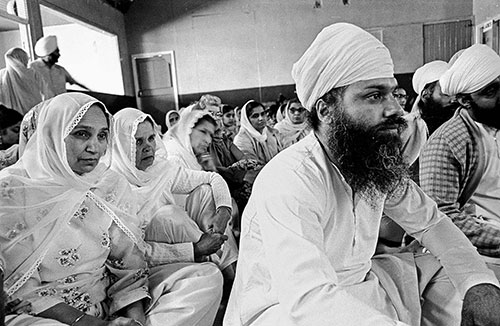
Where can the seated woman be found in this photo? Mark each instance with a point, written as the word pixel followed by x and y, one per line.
pixel 232 165
pixel 171 118
pixel 294 126
pixel 68 238
pixel 255 139
pixel 171 234
pixel 21 88
pixel 229 127
pixel 10 121
pixel 187 145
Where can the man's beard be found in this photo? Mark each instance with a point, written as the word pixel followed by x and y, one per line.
pixel 489 117
pixel 370 160
pixel 435 114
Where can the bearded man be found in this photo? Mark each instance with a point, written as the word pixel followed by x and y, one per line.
pixel 434 106
pixel 310 228
pixel 460 162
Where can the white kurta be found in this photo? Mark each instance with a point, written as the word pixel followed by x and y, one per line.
pixel 306 246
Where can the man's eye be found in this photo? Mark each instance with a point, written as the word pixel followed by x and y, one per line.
pixel 151 138
pixel 375 96
pixel 138 142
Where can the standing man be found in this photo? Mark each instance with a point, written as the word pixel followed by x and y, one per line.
pixel 460 164
pixel 310 228
pixel 54 75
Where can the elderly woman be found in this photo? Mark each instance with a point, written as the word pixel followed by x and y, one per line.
pixel 255 139
pixel 10 121
pixel 69 243
pixel 21 88
pixel 171 234
pixel 294 126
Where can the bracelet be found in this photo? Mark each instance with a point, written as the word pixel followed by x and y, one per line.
pixel 138 322
pixel 77 319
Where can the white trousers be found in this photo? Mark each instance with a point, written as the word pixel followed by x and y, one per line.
pixel 181 294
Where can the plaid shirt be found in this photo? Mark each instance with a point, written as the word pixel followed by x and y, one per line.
pixel 450 168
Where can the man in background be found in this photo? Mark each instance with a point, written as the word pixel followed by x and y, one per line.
pixel 460 164
pixel 54 75
pixel 433 106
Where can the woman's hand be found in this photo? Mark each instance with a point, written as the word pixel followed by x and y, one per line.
pixel 220 220
pixel 122 321
pixel 208 244
pixel 246 164
pixel 135 311
pixel 17 307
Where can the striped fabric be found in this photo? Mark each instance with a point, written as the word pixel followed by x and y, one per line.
pixel 447 165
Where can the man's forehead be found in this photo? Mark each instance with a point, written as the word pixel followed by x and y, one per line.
pixel 378 83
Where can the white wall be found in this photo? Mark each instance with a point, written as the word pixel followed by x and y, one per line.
pixel 235 44
pixel 485 10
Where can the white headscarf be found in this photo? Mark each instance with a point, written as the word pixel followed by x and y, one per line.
pixel 156 180
pixel 21 88
pixel 428 73
pixel 42 193
pixel 340 55
pixel 475 68
pixel 247 125
pixel 177 140
pixel 291 132
pixel 167 118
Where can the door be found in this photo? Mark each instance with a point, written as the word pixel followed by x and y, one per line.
pixel 442 40
pixel 156 84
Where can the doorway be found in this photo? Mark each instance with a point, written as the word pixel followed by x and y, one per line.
pixel 156 84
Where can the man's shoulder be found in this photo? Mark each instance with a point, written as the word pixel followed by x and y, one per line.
pixel 38 63
pixel 304 159
pixel 453 131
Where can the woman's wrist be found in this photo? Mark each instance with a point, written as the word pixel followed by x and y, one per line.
pixel 78 319
pixel 138 322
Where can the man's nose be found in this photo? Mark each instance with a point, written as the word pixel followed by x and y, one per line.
pixel 393 108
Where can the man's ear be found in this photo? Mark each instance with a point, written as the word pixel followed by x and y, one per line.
pixel 463 100
pixel 426 94
pixel 323 110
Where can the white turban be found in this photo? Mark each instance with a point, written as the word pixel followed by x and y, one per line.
pixel 46 45
pixel 428 73
pixel 341 54
pixel 475 68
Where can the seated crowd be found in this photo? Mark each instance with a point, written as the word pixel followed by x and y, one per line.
pixel 332 207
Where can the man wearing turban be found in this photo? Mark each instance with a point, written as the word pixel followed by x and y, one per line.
pixel 434 106
pixel 460 163
pixel 310 228
pixel 54 75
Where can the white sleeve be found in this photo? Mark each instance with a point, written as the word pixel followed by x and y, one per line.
pixel 420 217
pixel 187 180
